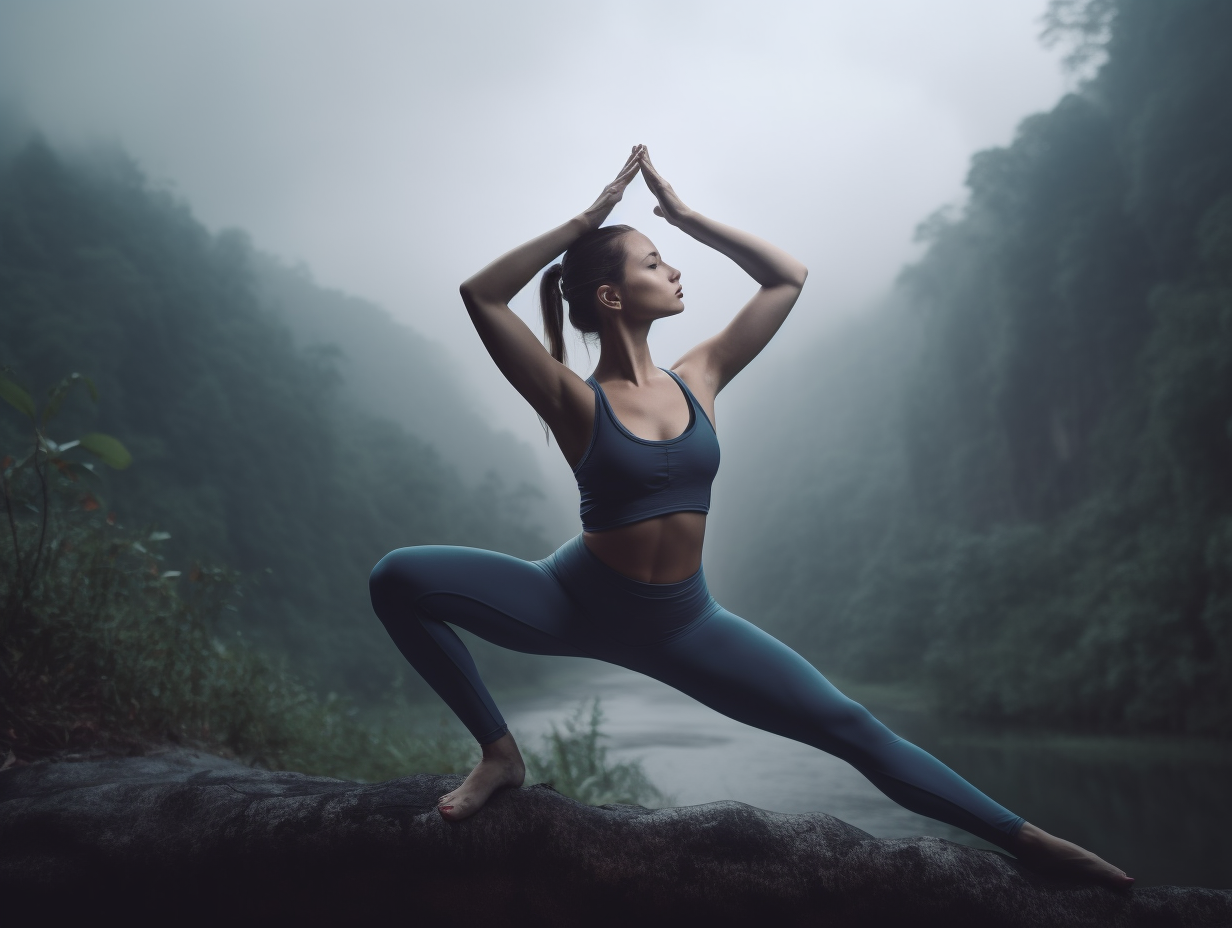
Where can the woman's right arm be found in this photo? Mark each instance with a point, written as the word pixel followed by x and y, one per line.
pixel 556 393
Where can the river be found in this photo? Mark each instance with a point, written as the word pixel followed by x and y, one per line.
pixel 1159 808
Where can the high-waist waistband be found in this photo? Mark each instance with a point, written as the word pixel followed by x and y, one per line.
pixel 626 609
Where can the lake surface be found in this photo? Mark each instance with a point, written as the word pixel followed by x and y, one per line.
pixel 1158 808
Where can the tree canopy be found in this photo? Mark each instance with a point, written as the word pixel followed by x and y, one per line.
pixel 1018 476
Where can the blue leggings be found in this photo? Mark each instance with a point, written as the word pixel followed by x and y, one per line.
pixel 571 603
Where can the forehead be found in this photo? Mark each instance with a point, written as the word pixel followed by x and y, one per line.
pixel 638 246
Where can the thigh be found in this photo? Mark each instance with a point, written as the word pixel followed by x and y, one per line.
pixel 510 602
pixel 745 673
pixel 738 669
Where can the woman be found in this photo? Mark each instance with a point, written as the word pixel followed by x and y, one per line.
pixel 630 589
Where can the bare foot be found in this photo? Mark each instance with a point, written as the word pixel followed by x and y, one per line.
pixel 501 765
pixel 1051 854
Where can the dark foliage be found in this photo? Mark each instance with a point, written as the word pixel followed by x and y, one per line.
pixel 246 453
pixel 1031 509
pixel 101 647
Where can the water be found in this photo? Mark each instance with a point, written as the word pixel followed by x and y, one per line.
pixel 1159 808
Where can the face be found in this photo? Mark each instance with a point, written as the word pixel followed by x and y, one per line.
pixel 651 288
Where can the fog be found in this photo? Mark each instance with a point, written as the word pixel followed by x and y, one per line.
pixel 394 148
pixel 995 498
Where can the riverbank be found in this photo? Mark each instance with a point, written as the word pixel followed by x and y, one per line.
pixel 1156 806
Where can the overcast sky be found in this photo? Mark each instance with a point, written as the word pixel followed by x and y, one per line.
pixel 395 147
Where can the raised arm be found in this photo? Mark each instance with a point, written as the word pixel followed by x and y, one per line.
pixel 556 393
pixel 713 363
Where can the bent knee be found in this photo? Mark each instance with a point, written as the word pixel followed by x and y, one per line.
pixel 401 574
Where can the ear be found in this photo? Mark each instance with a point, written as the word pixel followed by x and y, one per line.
pixel 609 297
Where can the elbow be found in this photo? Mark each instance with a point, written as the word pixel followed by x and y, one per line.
pixel 476 300
pixel 800 277
pixel 470 297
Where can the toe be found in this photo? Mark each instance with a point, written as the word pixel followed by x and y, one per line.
pixel 456 812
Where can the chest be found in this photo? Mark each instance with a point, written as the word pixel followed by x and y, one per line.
pixel 626 468
pixel 659 413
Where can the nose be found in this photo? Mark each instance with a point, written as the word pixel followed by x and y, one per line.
pixel 675 275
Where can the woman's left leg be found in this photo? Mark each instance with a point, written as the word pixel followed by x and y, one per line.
pixel 741 671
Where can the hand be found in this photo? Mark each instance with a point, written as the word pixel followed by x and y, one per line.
pixel 612 193
pixel 670 206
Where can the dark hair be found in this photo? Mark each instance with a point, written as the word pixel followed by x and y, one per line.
pixel 594 259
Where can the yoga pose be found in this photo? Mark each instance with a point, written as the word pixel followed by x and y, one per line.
pixel 630 589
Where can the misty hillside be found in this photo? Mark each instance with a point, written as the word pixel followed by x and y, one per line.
pixel 390 370
pixel 247 448
pixel 1014 482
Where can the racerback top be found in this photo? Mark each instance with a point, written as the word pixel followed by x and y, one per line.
pixel 623 478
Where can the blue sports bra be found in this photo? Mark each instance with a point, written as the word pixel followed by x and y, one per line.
pixel 624 479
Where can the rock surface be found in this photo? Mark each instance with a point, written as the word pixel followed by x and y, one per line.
pixel 187 837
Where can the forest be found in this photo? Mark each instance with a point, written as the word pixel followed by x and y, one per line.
pixel 1014 482
pixel 248 448
pixel 1010 486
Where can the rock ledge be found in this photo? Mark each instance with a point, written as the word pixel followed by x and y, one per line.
pixel 187 836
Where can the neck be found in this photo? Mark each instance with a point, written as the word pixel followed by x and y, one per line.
pixel 625 355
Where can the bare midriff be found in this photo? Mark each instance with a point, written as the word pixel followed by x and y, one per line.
pixel 663 549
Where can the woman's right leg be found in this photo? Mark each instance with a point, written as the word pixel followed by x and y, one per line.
pixel 511 602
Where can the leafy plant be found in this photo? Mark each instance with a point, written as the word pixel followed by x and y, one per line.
pixel 47 460
pixel 576 764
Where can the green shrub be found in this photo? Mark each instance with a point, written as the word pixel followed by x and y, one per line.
pixel 576 764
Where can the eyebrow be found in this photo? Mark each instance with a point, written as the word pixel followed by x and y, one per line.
pixel 653 254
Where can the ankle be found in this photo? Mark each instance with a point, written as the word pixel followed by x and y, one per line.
pixel 1031 838
pixel 503 748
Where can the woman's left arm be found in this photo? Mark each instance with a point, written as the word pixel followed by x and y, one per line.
pixel 718 359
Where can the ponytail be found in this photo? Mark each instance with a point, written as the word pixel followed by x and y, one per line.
pixel 595 258
pixel 552 306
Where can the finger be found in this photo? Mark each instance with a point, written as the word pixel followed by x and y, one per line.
pixel 655 184
pixel 658 211
pixel 656 180
pixel 653 178
pixel 627 175
pixel 619 186
pixel 629 171
pixel 633 157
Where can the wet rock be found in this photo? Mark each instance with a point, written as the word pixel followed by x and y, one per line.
pixel 187 837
